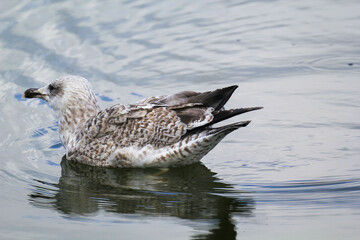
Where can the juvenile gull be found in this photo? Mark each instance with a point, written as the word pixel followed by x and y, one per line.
pixel 160 131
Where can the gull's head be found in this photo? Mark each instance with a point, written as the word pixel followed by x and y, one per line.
pixel 64 93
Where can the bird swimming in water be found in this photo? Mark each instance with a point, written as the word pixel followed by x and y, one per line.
pixel 163 131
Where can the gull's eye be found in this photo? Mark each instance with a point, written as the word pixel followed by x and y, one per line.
pixel 51 87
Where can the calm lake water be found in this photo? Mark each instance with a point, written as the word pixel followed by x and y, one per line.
pixel 293 173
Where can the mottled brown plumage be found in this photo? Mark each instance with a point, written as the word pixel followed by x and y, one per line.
pixel 158 131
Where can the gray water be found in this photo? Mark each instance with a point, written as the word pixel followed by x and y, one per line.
pixel 293 173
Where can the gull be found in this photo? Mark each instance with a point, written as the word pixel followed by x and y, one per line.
pixel 169 130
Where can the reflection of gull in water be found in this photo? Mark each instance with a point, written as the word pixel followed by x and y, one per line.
pixel 190 192
pixel 158 131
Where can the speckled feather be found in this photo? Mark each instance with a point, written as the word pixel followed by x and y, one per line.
pixel 158 131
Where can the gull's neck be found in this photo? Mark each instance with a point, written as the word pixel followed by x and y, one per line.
pixel 73 118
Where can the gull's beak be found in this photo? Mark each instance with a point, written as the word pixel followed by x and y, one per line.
pixel 33 93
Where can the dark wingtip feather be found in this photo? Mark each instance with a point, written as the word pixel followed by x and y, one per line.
pixel 229 128
pixel 222 115
pixel 226 94
pixel 242 124
pixel 216 99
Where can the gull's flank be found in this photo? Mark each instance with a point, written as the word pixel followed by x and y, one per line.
pixel 171 130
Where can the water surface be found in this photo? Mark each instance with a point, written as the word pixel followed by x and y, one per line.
pixel 293 173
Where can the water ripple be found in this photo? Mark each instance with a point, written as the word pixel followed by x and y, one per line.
pixel 297 58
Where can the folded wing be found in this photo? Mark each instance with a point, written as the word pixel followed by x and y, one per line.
pixel 159 121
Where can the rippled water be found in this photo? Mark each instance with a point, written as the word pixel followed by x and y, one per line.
pixel 293 173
